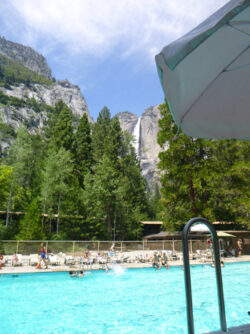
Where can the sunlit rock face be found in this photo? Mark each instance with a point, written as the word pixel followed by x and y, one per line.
pixel 144 131
pixel 13 116
pixel 127 121
pixel 25 56
pixel 49 94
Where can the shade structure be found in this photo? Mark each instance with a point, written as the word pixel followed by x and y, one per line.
pixel 205 75
pixel 222 234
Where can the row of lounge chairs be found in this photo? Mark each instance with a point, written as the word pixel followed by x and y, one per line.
pixel 61 259
pixel 94 258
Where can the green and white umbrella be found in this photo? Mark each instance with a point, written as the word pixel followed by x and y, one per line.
pixel 206 75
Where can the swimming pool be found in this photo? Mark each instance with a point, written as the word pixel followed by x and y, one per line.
pixel 131 301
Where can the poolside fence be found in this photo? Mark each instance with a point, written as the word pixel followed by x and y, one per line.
pixel 77 248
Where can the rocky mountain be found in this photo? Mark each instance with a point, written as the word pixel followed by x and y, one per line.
pixel 48 94
pixel 144 130
pixel 25 56
pixel 27 91
pixel 26 99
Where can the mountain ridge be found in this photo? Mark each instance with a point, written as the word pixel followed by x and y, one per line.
pixel 26 56
pixel 29 102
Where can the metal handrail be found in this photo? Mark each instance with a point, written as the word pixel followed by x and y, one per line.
pixel 189 303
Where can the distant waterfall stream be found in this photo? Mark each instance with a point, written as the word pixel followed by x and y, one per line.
pixel 136 134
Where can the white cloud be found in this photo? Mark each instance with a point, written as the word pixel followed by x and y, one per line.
pixel 97 27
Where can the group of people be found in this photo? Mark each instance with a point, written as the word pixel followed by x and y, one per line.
pixel 76 273
pixel 159 260
pixel 227 248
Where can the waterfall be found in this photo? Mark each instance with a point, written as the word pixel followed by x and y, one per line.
pixel 136 134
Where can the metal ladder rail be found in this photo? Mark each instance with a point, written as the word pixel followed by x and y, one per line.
pixel 187 276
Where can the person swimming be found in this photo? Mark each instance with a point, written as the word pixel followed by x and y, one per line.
pixel 222 264
pixel 79 273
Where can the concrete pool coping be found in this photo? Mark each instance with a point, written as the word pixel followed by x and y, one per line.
pixel 65 268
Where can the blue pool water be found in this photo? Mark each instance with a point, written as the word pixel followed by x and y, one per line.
pixel 131 301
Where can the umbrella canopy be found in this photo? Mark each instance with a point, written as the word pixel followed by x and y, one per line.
pixel 199 228
pixel 222 234
pixel 206 75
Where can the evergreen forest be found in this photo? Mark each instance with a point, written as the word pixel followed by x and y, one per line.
pixel 202 178
pixel 73 183
pixel 73 180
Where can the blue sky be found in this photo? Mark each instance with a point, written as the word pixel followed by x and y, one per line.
pixel 106 47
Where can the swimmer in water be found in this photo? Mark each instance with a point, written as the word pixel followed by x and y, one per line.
pixel 80 273
pixel 76 273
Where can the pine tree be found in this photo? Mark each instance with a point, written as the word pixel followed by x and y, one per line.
pixel 83 149
pixel 116 194
pixel 202 177
pixel 63 129
pixel 5 182
pixel 100 194
pixel 21 158
pixel 230 181
pixel 56 186
pixel 186 164
pixel 113 142
pixel 31 225
pixel 100 132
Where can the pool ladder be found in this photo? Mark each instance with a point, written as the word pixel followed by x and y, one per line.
pixel 244 329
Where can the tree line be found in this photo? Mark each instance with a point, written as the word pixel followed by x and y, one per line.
pixel 84 182
pixel 73 183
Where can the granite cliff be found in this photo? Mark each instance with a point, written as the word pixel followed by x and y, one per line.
pixel 48 94
pixel 144 130
pixel 31 92
pixel 25 56
pixel 33 97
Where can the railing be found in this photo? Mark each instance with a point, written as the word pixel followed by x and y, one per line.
pixel 188 276
pixel 76 248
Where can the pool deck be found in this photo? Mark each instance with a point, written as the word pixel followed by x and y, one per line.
pixel 63 268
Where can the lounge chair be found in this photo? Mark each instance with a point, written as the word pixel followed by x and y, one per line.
pixel 53 260
pixel 100 260
pixel 69 259
pixel 33 259
pixel 17 260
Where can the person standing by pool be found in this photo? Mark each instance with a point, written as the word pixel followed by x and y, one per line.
pixel 87 251
pixel 239 243
pixel 1 261
pixel 156 261
pixel 165 260
pixel 42 257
